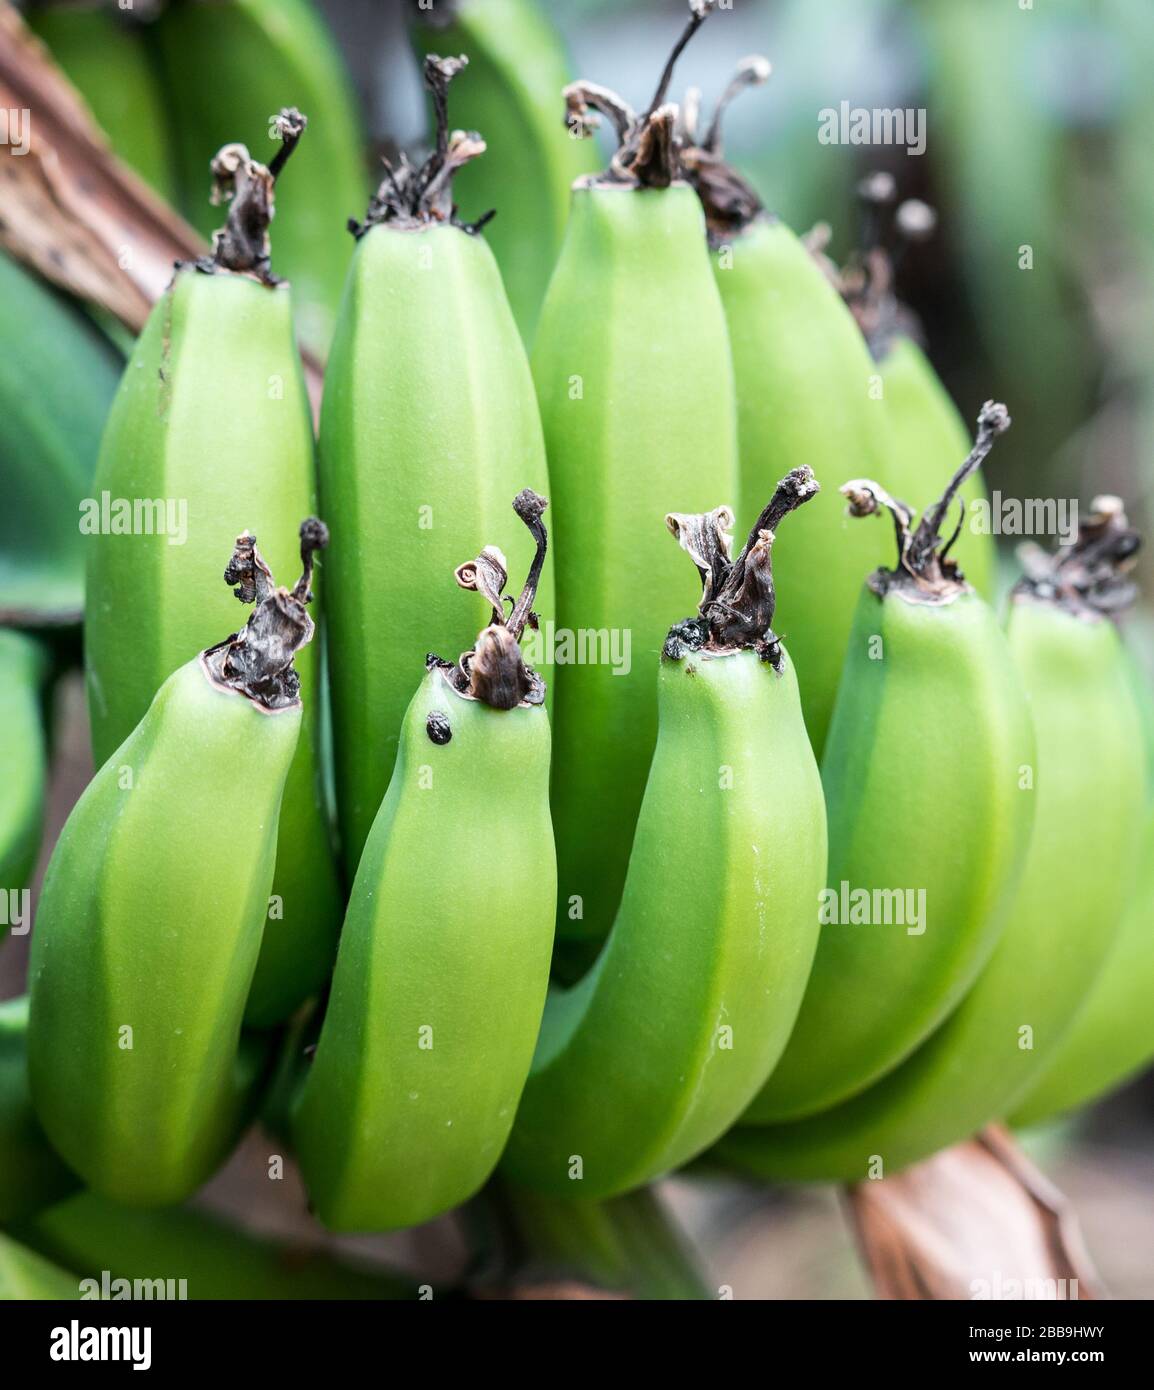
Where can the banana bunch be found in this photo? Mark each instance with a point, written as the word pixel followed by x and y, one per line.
pixel 605 914
pixel 154 906
pixel 211 430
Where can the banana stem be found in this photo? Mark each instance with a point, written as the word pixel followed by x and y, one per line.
pixel 257 661
pixel 247 186
pixel 738 599
pixel 494 671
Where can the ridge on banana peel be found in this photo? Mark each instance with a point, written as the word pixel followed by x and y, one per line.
pixel 154 905
pixel 806 393
pixel 657 1050
pixel 926 657
pixel 982 1062
pixel 211 428
pixel 429 425
pixel 631 347
pixel 444 957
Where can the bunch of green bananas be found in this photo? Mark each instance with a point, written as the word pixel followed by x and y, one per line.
pixel 810 974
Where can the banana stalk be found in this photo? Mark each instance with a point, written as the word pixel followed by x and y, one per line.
pixel 32 1175
pixel 669 1036
pixel 57 380
pixel 227 66
pixel 444 958
pixel 633 374
pixel 105 56
pixel 1079 871
pixel 517 68
pixel 153 908
pixel 23 764
pixel 211 431
pixel 429 425
pixel 921 873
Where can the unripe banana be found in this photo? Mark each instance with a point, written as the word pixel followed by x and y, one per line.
pixel 104 55
pixel 1079 868
pixel 153 906
pixel 1112 1036
pixel 24 1275
pixel 57 379
pixel 32 1175
pixel 633 375
pixel 23 769
pixel 921 873
pixel 807 392
pixel 516 69
pixel 429 426
pixel 229 65
pixel 444 958
pixel 669 1036
pixel 211 430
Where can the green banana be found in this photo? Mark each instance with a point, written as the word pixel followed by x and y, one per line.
pixel 211 430
pixel 1079 869
pixel 23 770
pixel 669 1036
pixel 444 958
pixel 428 427
pixel 103 1242
pixel 1112 1037
pixel 104 55
pixel 633 375
pixel 153 906
pixel 32 1175
pixel 25 1275
pixel 227 66
pixel 921 877
pixel 807 391
pixel 516 69
pixel 57 379
pixel 927 432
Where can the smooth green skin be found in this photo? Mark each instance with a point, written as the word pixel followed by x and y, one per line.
pixel 24 1275
pixel 905 814
pixel 633 312
pixel 449 928
pixel 212 410
pixel 106 59
pixel 930 440
pixel 717 929
pixel 808 392
pixel 57 380
pixel 1112 1037
pixel 429 429
pixel 1090 790
pixel 511 94
pixel 23 761
pixel 32 1175
pixel 90 1234
pixel 151 918
pixel 229 66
